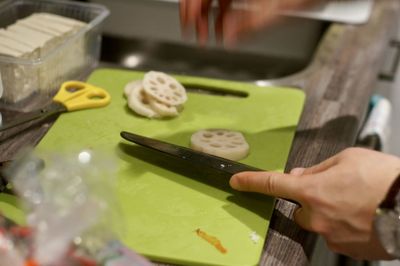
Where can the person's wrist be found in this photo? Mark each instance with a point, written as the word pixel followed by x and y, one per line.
pixel 387 220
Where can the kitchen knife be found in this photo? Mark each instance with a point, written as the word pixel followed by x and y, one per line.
pixel 189 155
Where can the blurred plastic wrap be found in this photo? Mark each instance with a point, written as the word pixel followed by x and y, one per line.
pixel 70 206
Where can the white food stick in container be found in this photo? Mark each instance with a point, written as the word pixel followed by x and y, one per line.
pixel 74 55
pixel 34 37
pixel 45 41
pixel 33 44
pixel 39 28
pixel 54 25
pixel 61 20
pixel 18 81
pixel 23 48
pixel 5 50
pixel 39 24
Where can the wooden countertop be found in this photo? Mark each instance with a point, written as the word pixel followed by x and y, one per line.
pixel 338 84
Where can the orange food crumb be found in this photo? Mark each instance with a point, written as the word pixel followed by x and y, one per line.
pixel 212 240
pixel 31 263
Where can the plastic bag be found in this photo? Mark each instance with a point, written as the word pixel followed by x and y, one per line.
pixel 70 205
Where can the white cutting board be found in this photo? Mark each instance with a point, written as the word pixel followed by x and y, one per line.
pixel 353 12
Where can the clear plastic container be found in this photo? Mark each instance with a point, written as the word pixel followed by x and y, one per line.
pixel 73 58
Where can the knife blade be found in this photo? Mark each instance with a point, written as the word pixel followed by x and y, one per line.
pixel 189 155
pixel 192 156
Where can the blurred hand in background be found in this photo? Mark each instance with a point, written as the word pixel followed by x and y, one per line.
pixel 235 18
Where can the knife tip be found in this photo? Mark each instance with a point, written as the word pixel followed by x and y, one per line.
pixel 124 134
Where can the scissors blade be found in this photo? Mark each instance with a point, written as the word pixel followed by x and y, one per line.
pixel 189 155
pixel 43 113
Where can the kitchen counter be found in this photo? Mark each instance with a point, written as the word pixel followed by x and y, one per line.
pixel 338 83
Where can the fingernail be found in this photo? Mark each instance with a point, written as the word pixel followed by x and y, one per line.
pixel 297 171
pixel 234 182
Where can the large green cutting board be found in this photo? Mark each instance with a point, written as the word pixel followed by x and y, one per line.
pixel 162 204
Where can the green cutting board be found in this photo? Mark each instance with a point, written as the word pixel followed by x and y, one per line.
pixel 163 203
pixel 11 208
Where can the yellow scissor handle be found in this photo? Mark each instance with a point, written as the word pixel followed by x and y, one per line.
pixel 77 95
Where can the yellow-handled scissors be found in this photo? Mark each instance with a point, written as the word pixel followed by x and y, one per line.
pixel 72 96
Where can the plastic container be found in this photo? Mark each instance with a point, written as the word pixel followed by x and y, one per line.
pixel 73 58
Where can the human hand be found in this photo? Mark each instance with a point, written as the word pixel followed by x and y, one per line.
pixel 231 22
pixel 338 197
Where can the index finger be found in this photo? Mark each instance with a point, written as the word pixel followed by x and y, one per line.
pixel 269 183
pixel 194 13
pixel 190 11
pixel 322 166
pixel 224 6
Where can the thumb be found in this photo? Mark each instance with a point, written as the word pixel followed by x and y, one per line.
pixel 302 217
pixel 269 183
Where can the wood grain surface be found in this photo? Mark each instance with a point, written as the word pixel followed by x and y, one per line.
pixel 338 84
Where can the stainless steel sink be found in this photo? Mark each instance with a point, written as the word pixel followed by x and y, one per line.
pixel 145 35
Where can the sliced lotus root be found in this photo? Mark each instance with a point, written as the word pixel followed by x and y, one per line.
pixel 162 109
pixel 221 142
pixel 138 102
pixel 164 88
pixel 131 85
